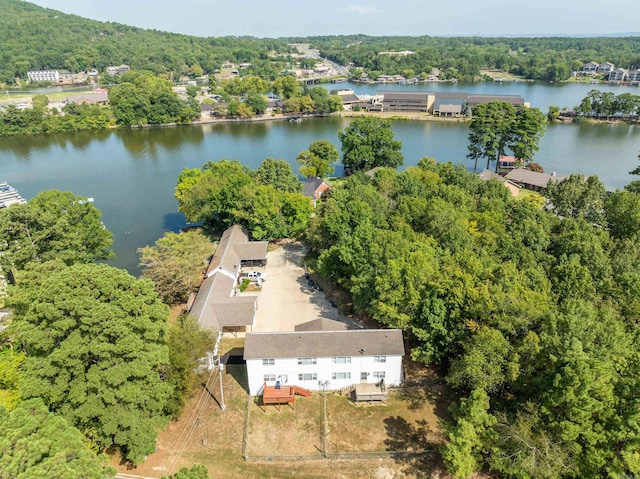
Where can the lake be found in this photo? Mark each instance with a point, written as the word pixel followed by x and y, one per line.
pixel 132 174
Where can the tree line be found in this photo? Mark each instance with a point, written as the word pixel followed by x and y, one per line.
pixel 40 119
pixel 551 59
pixel 141 98
pixel 608 105
pixel 35 38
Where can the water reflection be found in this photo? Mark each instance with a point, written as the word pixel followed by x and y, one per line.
pixel 151 142
pixel 24 145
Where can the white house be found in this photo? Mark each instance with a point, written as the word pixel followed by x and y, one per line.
pixel 618 75
pixel 43 75
pixel 590 67
pixel 318 359
pixel 216 306
pixel 118 70
pixel 634 76
pixel 606 67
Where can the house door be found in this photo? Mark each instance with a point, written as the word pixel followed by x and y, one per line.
pixel 363 377
pixel 284 379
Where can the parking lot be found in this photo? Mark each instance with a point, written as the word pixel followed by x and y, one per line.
pixel 286 299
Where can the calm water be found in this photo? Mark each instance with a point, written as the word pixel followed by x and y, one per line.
pixel 132 174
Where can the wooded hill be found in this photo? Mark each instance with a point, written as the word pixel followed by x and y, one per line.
pixel 36 38
pixel 552 58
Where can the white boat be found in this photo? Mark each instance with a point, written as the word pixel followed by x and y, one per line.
pixel 9 195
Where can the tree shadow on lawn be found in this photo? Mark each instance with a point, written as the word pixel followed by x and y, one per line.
pixel 432 392
pixel 414 450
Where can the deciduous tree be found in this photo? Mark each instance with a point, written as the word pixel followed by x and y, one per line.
pixel 578 197
pixel 175 263
pixel 278 173
pixel 368 142
pixel 318 160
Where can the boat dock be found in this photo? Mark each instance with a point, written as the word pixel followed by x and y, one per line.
pixel 9 195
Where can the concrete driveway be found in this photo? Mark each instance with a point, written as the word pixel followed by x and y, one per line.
pixel 286 299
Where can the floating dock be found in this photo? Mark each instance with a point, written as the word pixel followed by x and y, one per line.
pixel 9 195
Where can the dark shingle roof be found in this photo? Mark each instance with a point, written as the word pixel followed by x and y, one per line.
pixel 310 186
pixel 321 324
pixel 367 342
pixel 528 177
pixel 404 95
pixel 215 306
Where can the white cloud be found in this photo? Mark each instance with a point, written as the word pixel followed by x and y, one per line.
pixel 361 9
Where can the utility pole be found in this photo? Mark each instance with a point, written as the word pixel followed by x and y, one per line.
pixel 221 366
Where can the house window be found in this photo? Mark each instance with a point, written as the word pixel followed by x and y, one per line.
pixel 378 375
pixel 341 376
pixel 268 362
pixel 307 361
pixel 379 359
pixel 269 378
pixel 363 376
pixel 342 360
pixel 308 377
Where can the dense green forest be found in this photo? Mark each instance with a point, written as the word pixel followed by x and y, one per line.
pixel 532 315
pixel 35 38
pixel 464 57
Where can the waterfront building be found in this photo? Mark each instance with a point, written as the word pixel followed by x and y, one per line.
pixel 35 76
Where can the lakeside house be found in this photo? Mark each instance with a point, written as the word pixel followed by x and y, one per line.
pixel 633 77
pixel 314 188
pixel 532 180
pixel 618 75
pixel 96 98
pixel 118 70
pixel 513 188
pixel 216 306
pixel 330 360
pixel 605 67
pixel 474 100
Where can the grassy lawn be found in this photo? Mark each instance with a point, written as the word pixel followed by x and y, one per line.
pixel 207 435
pixel 27 96
pixel 524 193
pixel 394 426
pixel 288 431
pixel 506 76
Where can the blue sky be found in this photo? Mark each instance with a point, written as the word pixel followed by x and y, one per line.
pixel 278 18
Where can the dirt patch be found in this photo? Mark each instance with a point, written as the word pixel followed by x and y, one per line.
pixel 287 431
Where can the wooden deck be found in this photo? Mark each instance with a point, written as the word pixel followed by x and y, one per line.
pixel 371 392
pixel 282 395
